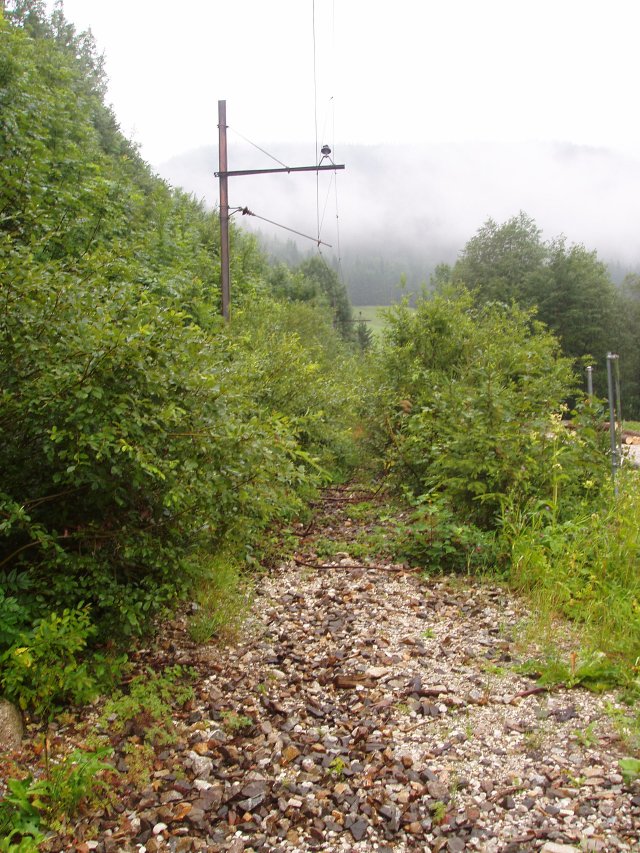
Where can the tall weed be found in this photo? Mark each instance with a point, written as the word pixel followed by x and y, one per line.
pixel 30 806
pixel 223 595
pixel 586 568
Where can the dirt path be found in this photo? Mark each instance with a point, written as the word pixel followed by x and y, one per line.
pixel 368 710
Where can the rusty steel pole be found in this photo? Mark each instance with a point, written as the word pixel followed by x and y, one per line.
pixel 223 174
pixel 224 208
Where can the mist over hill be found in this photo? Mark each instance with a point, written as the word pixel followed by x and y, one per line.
pixel 402 209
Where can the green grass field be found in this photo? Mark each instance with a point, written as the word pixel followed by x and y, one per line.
pixel 370 313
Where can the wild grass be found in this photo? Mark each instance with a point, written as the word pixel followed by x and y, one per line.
pixel 223 598
pixel 586 569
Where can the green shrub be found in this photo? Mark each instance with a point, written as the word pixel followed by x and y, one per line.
pixel 15 614
pixel 139 436
pixel 470 399
pixel 20 818
pixel 43 669
pixel 30 806
pixel 129 444
pixel 434 538
pixel 146 705
pixel 293 363
pixel 72 781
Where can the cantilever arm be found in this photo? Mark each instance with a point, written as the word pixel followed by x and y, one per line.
pixel 235 173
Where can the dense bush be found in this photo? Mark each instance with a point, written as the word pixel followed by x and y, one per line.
pixel 470 400
pixel 468 422
pixel 128 441
pixel 139 436
pixel 294 363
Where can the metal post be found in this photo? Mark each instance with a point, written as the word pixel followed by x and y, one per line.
pixel 223 174
pixel 618 409
pixel 224 208
pixel 590 382
pixel 611 357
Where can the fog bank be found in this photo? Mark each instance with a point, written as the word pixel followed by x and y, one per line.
pixel 428 200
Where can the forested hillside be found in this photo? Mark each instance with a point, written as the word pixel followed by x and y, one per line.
pixel 571 289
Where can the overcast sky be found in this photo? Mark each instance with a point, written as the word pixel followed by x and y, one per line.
pixel 401 71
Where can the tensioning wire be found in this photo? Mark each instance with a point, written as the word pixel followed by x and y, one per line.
pixel 246 212
pixel 255 145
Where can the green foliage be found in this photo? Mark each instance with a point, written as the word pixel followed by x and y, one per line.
pixel 567 285
pixel 138 436
pixel 326 546
pixel 330 291
pixel 145 708
pixel 337 767
pixel 42 669
pixel 593 671
pixel 467 419
pixel 15 614
pixel 20 819
pixel 375 542
pixel 626 722
pixel 586 737
pixel 373 538
pixel 504 262
pixel 114 468
pixel 235 723
pixel 579 302
pixel 222 596
pixel 70 782
pixel 30 806
pixel 585 568
pixel 29 843
pixel 434 537
pixel 139 761
pixel 438 812
pixel 364 335
pixel 362 511
pixel 292 363
pixel 467 398
pixel 630 769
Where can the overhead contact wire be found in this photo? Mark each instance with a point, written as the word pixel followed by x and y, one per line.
pixel 315 115
pixel 326 201
pixel 333 146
